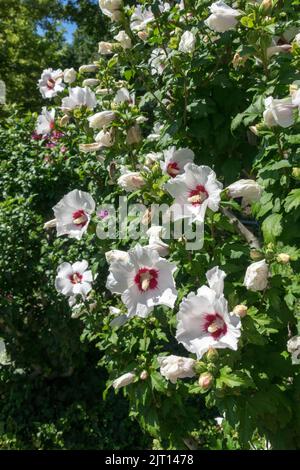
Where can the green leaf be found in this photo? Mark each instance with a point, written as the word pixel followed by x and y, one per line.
pixel 272 227
pixel 293 200
pixel 236 379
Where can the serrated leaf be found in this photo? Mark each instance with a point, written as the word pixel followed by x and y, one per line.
pixel 293 200
pixel 272 227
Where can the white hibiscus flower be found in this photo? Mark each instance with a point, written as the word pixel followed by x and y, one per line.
pixel 140 18
pixel 45 122
pixel 158 61
pixel 51 83
pixel 193 192
pixel 144 281
pixel 74 279
pixel 79 97
pixel 203 318
pixel 175 160
pixel 73 213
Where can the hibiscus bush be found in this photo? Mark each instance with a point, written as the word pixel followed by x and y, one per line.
pixel 184 215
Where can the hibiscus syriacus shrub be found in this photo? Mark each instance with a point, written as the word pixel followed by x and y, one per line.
pixel 190 121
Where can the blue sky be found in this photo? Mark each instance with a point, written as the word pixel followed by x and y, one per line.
pixel 68 26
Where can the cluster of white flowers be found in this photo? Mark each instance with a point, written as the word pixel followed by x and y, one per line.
pixel 142 276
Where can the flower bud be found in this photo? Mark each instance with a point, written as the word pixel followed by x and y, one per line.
pixel 266 5
pixel 283 258
pixel 206 380
pixel 144 375
pixel 296 173
pixel 240 310
pixel 212 355
pixel 200 367
pixel 50 224
pixel 143 35
pixel 124 380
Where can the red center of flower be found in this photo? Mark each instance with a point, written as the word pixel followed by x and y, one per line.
pixel 215 325
pixel 146 279
pixel 80 218
pixel 198 195
pixel 173 169
pixel 50 83
pixel 75 278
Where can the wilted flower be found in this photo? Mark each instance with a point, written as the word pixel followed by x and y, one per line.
pixel 134 135
pixel 194 191
pixel 105 48
pixel 91 82
pixel 256 277
pixel 203 318
pixel 79 97
pixel 222 18
pixel 293 347
pixel 105 138
pixel 187 42
pixel 74 279
pixel 123 38
pixel 155 242
pixel 111 8
pixel 50 83
pixel 130 180
pixel 124 380
pixel 239 60
pixel 73 213
pixel 278 112
pixel 175 160
pixel 116 255
pixel 70 75
pixel 249 190
pixel 88 68
pixel 176 367
pixel 124 96
pixel 94 147
pixel 158 61
pixel 45 122
pixel 144 281
pixel 99 120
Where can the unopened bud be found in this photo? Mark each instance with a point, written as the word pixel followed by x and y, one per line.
pixel 266 5
pixel 240 310
pixel 212 355
pixel 144 375
pixel 143 35
pixel 206 380
pixel 296 172
pixel 283 258
pixel 200 367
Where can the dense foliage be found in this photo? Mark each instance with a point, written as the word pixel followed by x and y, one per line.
pixel 198 103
